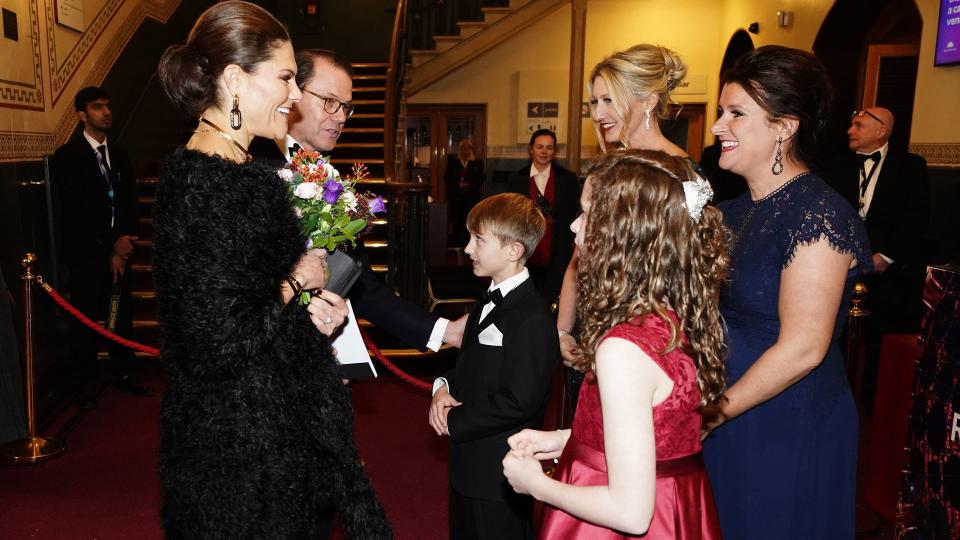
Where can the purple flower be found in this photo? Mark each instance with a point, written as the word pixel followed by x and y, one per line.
pixel 376 205
pixel 331 191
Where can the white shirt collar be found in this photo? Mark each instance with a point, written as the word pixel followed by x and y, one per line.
pixel 883 151
pixel 93 142
pixel 535 172
pixel 510 283
pixel 285 144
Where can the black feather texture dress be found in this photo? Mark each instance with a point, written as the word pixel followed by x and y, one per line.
pixel 256 426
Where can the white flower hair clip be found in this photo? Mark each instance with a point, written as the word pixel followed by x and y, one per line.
pixel 697 194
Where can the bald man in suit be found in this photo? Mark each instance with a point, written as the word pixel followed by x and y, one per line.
pixel 889 188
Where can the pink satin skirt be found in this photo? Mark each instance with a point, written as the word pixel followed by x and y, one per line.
pixel 683 509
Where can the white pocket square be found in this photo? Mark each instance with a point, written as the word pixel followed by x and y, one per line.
pixel 491 335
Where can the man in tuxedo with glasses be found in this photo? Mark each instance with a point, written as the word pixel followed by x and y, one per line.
pixel 315 123
pixel 556 192
pixel 96 189
pixel 889 188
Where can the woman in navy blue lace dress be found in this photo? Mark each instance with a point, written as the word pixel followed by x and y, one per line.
pixel 781 453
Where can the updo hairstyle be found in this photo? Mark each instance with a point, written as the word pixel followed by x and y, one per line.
pixel 231 32
pixel 788 83
pixel 639 71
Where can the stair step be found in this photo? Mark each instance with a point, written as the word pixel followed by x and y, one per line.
pixel 443 43
pixel 420 57
pixel 361 130
pixel 359 145
pixel 363 65
pixel 376 161
pixel 366 77
pixel 494 14
pixel 469 28
pixel 369 89
pixel 379 268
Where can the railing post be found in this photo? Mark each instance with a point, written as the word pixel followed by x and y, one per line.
pixel 409 227
pixel 34 448
pixel 856 349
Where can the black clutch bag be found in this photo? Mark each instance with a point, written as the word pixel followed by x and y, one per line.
pixel 344 271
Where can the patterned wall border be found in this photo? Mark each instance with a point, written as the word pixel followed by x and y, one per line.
pixel 941 155
pixel 60 74
pixel 29 146
pixel 25 146
pixel 18 95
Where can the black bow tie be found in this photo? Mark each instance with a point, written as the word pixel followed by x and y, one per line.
pixel 864 157
pixel 293 149
pixel 488 296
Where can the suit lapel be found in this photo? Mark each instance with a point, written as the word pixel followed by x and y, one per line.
pixel 511 300
pixel 884 183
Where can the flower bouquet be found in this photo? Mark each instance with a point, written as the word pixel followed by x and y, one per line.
pixel 331 212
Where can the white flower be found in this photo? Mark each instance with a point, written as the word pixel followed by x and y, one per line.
pixel 313 168
pixel 298 212
pixel 331 171
pixel 307 190
pixel 349 199
pixel 285 174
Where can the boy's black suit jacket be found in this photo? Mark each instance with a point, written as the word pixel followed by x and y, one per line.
pixel 371 299
pixel 502 389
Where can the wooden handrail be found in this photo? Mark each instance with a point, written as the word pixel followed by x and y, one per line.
pixel 394 90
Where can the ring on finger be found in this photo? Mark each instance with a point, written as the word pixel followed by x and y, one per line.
pixel 328 320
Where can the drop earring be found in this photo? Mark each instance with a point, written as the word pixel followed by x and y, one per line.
pixel 236 119
pixel 778 159
pixel 646 120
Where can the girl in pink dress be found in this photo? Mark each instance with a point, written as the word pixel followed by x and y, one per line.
pixel 652 263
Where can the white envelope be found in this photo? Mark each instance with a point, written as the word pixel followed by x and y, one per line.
pixel 491 335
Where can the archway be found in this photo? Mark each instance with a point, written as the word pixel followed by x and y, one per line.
pixel 739 44
pixel 844 46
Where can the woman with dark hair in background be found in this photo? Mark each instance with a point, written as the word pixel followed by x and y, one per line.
pixel 256 426
pixel 782 445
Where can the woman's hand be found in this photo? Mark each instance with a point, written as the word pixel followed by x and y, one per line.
pixel 522 470
pixel 328 311
pixel 311 269
pixel 539 444
pixel 569 350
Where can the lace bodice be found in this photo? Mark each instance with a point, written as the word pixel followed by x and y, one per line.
pixel 676 420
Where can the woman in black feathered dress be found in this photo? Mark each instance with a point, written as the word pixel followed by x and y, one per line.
pixel 256 426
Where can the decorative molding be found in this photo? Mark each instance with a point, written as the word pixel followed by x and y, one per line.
pixel 22 95
pixel 938 154
pixel 61 73
pixel 25 146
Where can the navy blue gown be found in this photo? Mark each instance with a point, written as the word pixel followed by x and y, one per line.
pixel 786 469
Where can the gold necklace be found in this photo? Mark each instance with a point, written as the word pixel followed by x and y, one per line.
pixel 247 158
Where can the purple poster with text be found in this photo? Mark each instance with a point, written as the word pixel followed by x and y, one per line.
pixel 948 34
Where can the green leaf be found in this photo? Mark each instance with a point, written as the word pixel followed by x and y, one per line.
pixel 355 226
pixel 342 221
pixel 331 244
pixel 304 298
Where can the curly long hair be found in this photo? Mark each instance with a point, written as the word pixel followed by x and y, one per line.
pixel 643 255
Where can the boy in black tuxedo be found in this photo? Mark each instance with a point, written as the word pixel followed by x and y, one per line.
pixel 501 381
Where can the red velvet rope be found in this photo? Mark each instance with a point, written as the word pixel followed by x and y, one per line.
pixel 391 366
pixel 96 327
pixel 156 352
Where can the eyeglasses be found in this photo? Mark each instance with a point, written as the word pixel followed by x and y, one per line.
pixel 860 114
pixel 332 105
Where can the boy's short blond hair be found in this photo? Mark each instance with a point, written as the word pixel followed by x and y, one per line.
pixel 510 217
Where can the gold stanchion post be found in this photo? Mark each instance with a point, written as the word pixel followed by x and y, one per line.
pixel 34 448
pixel 856 350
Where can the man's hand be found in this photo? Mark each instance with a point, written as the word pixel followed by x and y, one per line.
pixel 453 335
pixel 880 264
pixel 124 246
pixel 118 264
pixel 439 408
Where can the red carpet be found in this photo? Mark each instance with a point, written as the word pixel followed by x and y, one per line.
pixel 106 486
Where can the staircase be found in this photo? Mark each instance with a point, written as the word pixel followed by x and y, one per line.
pixel 360 142
pixel 474 38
